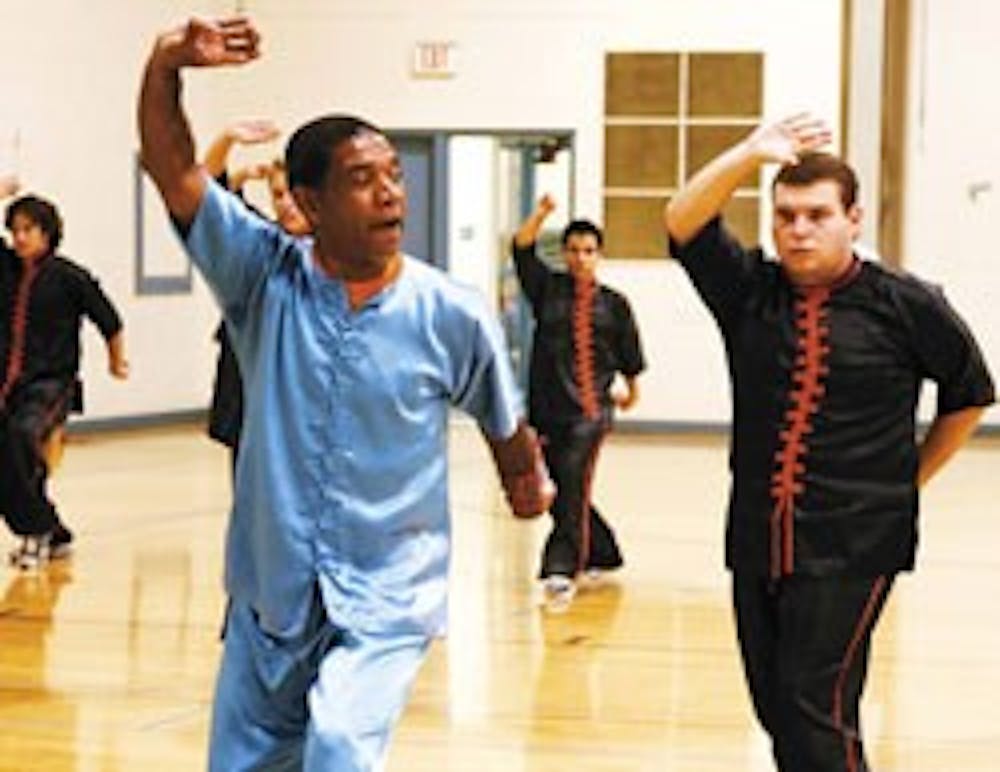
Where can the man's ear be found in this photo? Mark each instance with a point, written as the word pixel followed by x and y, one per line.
pixel 308 203
pixel 854 214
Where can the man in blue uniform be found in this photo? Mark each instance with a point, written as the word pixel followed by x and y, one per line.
pixel 352 354
pixel 827 354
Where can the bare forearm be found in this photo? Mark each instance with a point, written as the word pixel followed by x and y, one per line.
pixel 705 194
pixel 527 234
pixel 946 435
pixel 168 151
pixel 217 155
pixel 523 473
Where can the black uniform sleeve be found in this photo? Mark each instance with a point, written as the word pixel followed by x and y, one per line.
pixel 631 361
pixel 532 273
pixel 719 267
pixel 947 351
pixel 93 303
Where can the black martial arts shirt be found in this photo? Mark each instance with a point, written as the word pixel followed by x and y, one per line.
pixel 565 383
pixel 825 385
pixel 41 308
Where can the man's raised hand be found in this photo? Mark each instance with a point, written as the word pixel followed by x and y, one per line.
pixel 210 43
pixel 784 141
pixel 546 205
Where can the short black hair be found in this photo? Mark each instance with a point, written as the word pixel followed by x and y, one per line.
pixel 41 212
pixel 583 228
pixel 816 167
pixel 309 149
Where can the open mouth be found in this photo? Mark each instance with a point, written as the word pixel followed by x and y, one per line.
pixel 388 225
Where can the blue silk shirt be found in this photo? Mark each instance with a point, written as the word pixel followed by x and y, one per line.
pixel 342 475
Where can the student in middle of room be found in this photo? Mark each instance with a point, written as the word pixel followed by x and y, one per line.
pixel 585 335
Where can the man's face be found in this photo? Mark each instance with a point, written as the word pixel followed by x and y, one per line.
pixel 813 233
pixel 286 211
pixel 30 241
pixel 581 253
pixel 358 214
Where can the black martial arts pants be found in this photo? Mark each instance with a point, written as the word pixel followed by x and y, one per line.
pixel 580 539
pixel 27 420
pixel 805 643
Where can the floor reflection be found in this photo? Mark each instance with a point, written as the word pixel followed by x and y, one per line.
pixel 35 712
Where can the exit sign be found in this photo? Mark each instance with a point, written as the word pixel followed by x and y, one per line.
pixel 434 59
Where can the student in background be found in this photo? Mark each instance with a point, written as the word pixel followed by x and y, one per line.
pixel 585 336
pixel 44 298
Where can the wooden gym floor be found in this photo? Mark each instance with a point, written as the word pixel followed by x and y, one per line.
pixel 107 659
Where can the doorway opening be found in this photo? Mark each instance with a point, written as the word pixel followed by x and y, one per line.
pixel 468 191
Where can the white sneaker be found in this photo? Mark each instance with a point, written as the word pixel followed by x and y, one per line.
pixel 559 592
pixel 33 552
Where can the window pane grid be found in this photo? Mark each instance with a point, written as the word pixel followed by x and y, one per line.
pixel 666 115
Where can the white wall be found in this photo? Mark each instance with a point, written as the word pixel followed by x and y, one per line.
pixel 521 64
pixel 953 162
pixel 71 71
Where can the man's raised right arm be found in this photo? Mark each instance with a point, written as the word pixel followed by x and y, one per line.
pixel 708 191
pixel 168 151
pixel 532 273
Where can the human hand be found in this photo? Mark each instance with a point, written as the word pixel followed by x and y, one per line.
pixel 624 391
pixel 118 367
pixel 209 43
pixel 117 363
pixel 546 205
pixel 530 493
pixel 258 171
pixel 784 141
pixel 623 399
pixel 253 131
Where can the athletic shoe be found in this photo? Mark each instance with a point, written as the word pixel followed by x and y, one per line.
pixel 34 552
pixel 559 592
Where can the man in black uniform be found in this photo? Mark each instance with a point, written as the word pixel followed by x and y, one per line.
pixel 43 298
pixel 827 354
pixel 584 335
